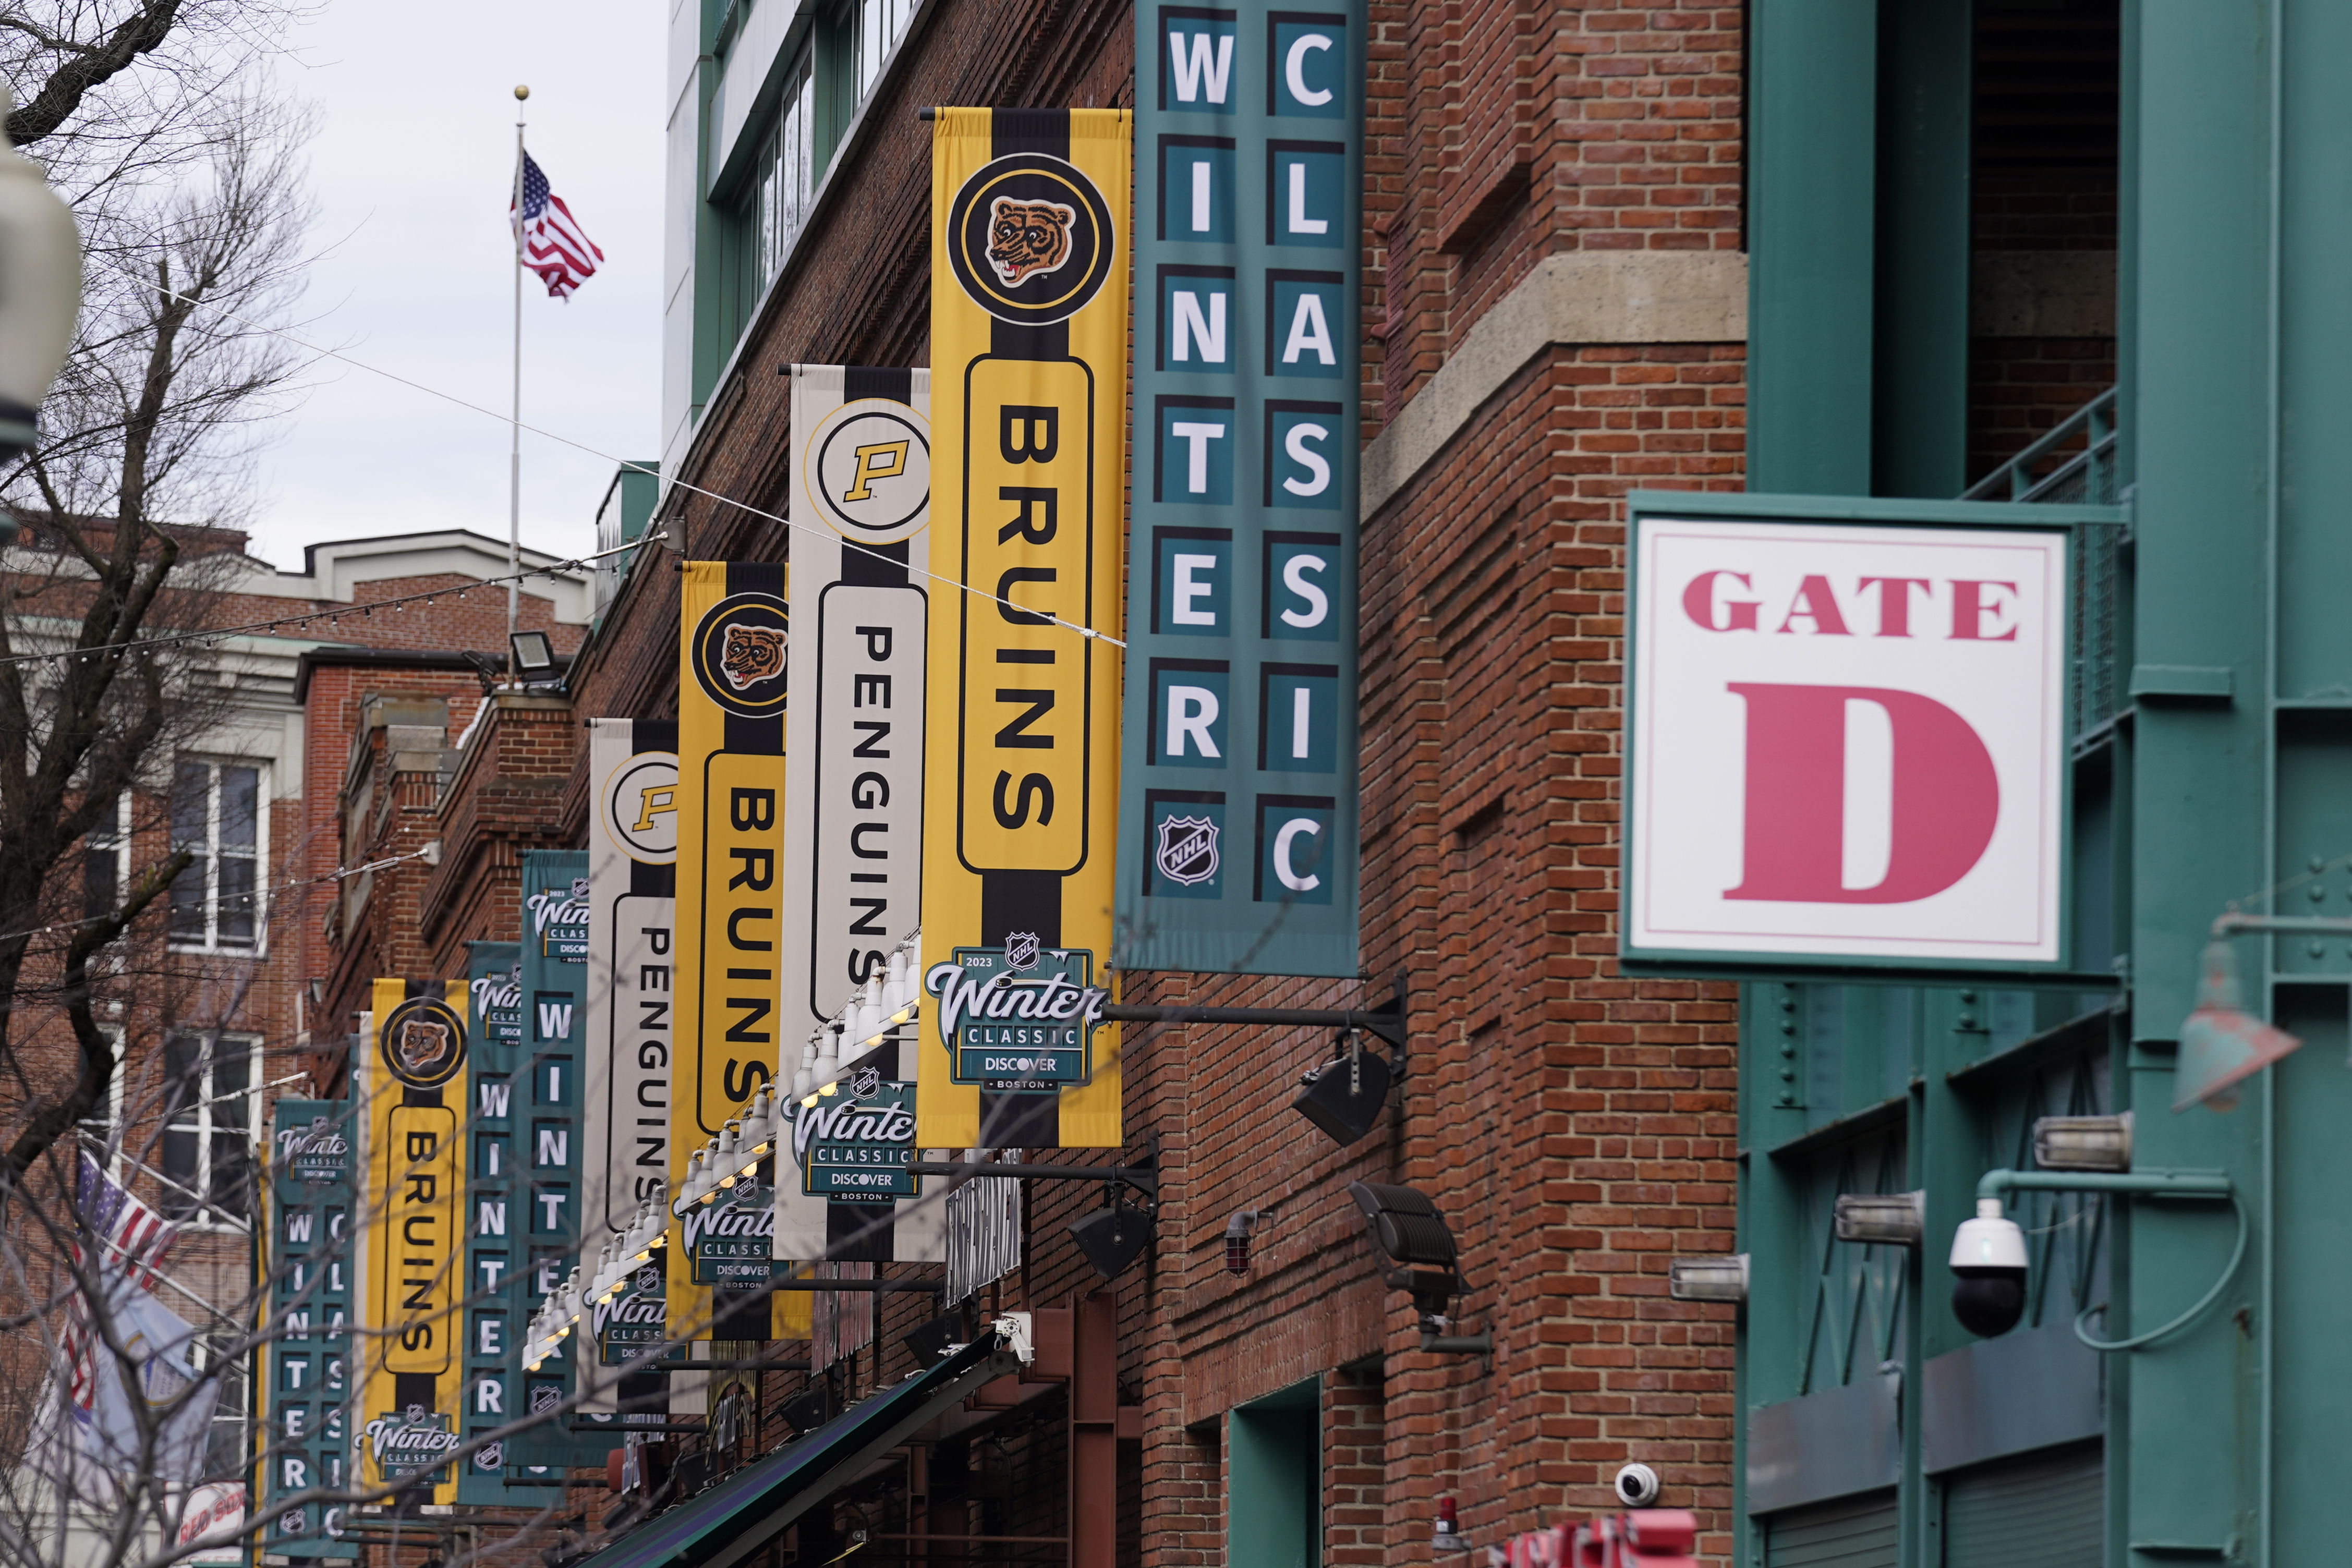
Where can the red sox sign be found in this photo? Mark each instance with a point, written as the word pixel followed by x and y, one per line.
pixel 1847 743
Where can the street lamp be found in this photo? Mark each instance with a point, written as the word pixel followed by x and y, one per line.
pixel 40 290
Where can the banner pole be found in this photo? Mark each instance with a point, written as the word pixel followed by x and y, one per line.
pixel 514 451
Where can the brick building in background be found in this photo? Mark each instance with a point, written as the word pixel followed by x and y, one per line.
pixel 210 998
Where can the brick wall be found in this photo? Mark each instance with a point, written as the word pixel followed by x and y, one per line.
pixel 505 797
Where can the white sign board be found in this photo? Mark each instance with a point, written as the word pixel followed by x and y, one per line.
pixel 1847 742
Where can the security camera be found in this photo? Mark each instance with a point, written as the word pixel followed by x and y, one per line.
pixel 1637 1486
pixel 1989 1263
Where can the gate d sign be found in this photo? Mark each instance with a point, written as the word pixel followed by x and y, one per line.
pixel 1846 745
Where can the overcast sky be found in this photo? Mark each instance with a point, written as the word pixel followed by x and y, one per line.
pixel 411 171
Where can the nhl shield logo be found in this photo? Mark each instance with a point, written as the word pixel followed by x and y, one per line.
pixel 1188 850
pixel 1020 949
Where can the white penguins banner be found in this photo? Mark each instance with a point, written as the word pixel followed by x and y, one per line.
pixel 632 897
pixel 854 774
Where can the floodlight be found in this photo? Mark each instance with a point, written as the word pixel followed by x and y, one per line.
pixel 1112 1237
pixel 2084 1143
pixel 1882 1219
pixel 533 654
pixel 1723 1277
pixel 1344 1095
pixel 1409 1232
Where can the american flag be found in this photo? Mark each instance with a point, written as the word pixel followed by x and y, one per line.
pixel 553 243
pixel 134 1234
pixel 129 1232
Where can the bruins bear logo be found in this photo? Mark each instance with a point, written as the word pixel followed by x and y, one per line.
pixel 1027 239
pixel 751 654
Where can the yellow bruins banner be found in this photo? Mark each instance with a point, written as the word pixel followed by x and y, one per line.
pixel 731 888
pixel 1029 214
pixel 413 1082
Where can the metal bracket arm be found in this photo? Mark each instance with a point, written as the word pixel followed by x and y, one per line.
pixel 1998 1184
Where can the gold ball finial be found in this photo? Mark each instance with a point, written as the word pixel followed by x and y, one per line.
pixel 521 93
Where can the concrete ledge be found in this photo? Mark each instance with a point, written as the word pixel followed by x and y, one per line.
pixel 1573 296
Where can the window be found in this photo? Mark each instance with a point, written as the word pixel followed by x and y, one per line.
pixel 106 861
pixel 217 814
pixel 781 188
pixel 208 1155
pixel 877 28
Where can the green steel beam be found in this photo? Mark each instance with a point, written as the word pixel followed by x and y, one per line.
pixel 1919 416
pixel 1812 111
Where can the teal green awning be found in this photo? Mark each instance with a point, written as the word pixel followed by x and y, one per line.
pixel 719 1527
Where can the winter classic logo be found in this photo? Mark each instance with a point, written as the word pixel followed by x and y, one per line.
pixel 738 654
pixel 1030 240
pixel 1188 850
pixel 318 1155
pixel 422 1042
pixel 1019 1017
pixel 856 1145
pixel 867 468
pixel 409 1444
pixel 559 919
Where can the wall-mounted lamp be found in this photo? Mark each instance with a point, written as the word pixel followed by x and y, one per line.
pixel 1717 1278
pixel 2084 1143
pixel 1882 1219
pixel 40 294
pixel 534 655
pixel 1237 1240
pixel 2221 1043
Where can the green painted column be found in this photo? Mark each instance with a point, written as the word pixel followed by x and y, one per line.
pixel 1919 418
pixel 1812 136
pixel 2203 330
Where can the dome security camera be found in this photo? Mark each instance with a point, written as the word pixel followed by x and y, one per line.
pixel 1989 1263
pixel 1637 1486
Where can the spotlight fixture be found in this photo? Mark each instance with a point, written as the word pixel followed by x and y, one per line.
pixel 1344 1095
pixel 1112 1237
pixel 2221 1043
pixel 2084 1143
pixel 1410 1234
pixel 1882 1219
pixel 1723 1277
pixel 534 655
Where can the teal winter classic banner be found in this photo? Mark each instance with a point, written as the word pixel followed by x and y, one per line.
pixel 312 1265
pixel 1237 810
pixel 495 1222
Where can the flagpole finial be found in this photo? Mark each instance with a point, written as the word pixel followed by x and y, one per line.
pixel 521 93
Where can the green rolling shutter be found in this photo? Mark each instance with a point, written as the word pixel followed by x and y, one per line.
pixel 2045 1511
pixel 1852 1533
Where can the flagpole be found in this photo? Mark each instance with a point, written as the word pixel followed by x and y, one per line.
pixel 514 455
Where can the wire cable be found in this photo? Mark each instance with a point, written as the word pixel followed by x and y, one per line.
pixel 2237 1255
pixel 1089 632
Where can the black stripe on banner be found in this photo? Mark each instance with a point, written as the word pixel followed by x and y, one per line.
pixel 843 1221
pixel 874 565
pixel 754 736
pixel 1045 131
pixel 895 383
pixel 1027 900
pixel 1023 1121
pixel 653 734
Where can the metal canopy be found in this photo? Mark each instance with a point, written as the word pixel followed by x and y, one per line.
pixel 728 1522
